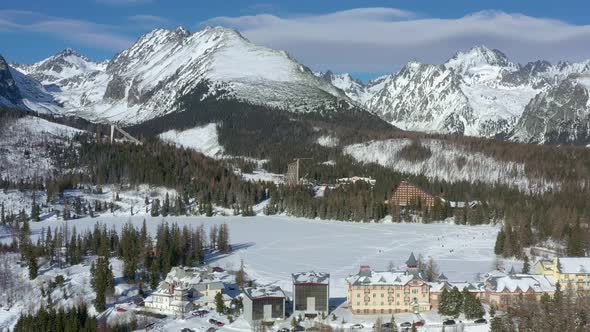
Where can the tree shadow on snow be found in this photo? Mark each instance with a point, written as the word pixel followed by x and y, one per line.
pixel 214 256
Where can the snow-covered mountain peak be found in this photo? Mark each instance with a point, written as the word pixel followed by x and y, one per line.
pixel 64 65
pixel 478 56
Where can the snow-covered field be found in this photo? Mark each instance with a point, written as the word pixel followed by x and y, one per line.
pixel 274 247
pixel 202 139
pixel 448 162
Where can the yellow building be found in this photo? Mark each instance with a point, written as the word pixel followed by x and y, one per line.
pixel 387 292
pixel 568 271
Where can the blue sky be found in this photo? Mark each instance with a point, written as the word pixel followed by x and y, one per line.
pixel 366 38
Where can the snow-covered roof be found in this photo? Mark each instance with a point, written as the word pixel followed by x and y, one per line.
pixel 438 286
pixel 574 265
pixel 398 278
pixel 263 292
pixel 520 283
pixel 311 277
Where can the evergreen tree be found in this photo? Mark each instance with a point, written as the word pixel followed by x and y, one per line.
pixel 472 306
pixel 575 243
pixel 526 267
pixel 499 246
pixel 154 274
pixel 166 206
pixel 219 305
pixel 35 210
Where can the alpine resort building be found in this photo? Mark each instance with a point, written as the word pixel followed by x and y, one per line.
pixel 311 292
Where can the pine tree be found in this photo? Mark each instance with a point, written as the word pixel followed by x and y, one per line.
pixel 499 246
pixel 526 267
pixel 2 215
pixel 166 206
pixel 35 210
pixel 472 306
pixel 219 305
pixel 575 243
pixel 496 325
pixel 241 275
pixel 154 274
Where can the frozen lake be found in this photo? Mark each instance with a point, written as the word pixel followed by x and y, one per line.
pixel 274 247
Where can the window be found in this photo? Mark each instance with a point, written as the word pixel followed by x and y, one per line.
pixel 382 295
pixel 358 294
pixel 374 294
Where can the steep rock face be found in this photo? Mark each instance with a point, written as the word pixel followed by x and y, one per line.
pixel 481 93
pixel 423 97
pixel 559 115
pixel 9 92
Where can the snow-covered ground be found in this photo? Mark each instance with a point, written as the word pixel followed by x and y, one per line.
pixel 448 162
pixel 23 146
pixel 274 247
pixel 202 139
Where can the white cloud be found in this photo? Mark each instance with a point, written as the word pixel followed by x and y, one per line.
pixel 88 33
pixel 383 39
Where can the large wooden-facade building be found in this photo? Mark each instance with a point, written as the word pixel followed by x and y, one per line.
pixel 408 194
pixel 311 292
pixel 264 303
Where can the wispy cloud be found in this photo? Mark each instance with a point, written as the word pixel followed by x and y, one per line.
pixel 88 33
pixel 124 2
pixel 382 39
pixel 148 19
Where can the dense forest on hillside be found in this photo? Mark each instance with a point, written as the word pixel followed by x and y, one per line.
pixel 277 136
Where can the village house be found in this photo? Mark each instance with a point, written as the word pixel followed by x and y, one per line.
pixel 311 292
pixel 568 271
pixel 408 194
pixel 263 303
pixel 387 292
pixel 185 288
pixel 503 289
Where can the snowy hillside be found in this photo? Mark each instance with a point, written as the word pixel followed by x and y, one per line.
pixel 24 146
pixel 448 162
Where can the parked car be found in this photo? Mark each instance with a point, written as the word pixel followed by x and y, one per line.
pixel 186 329
pixel 357 326
pixel 480 321
pixel 449 322
pixel 298 328
pixel 406 324
pixel 419 323
pixel 119 309
pixel 220 324
pixel 212 329
pixel 284 329
pixel 212 321
pixel 386 325
pixel 217 269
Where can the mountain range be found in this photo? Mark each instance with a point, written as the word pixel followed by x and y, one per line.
pixel 479 92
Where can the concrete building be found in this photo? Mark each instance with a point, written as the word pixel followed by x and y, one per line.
pixel 311 292
pixel 264 303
